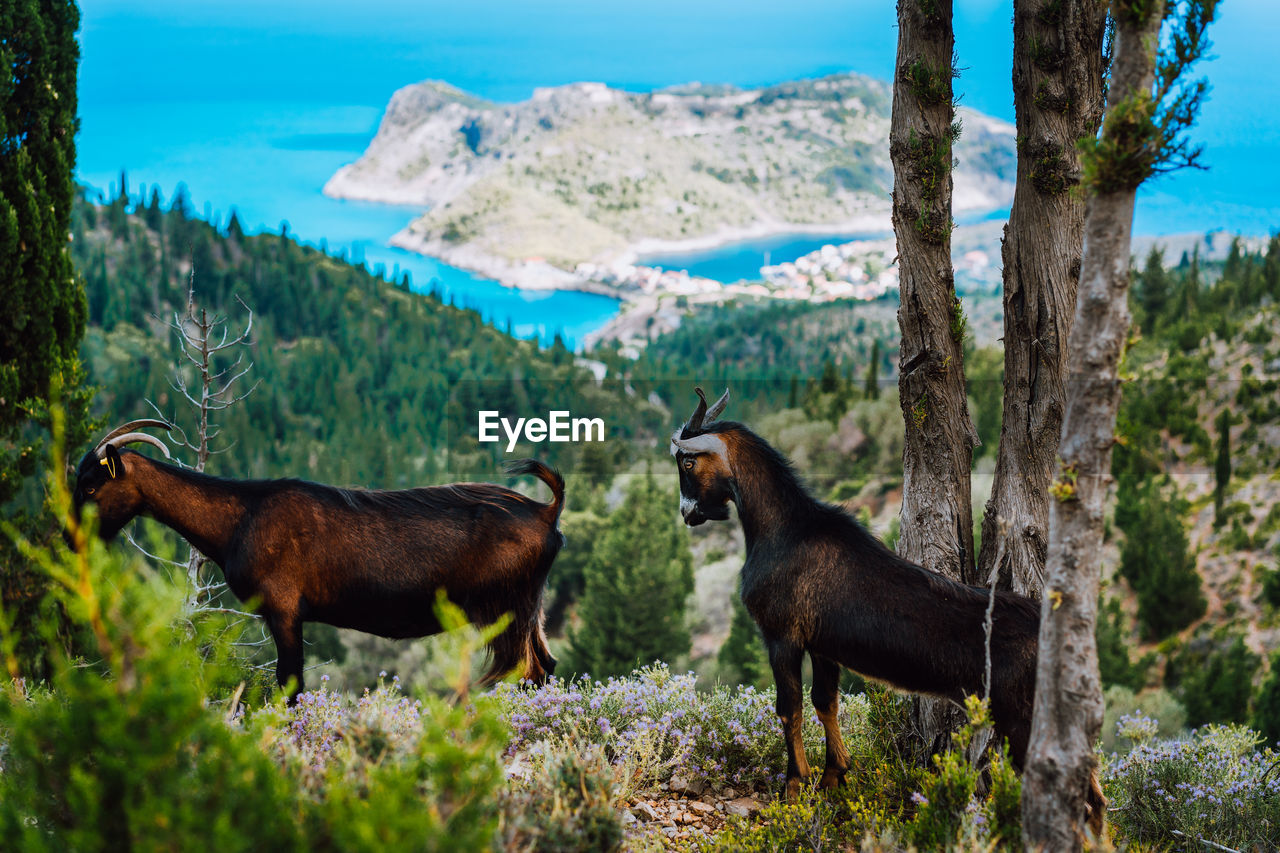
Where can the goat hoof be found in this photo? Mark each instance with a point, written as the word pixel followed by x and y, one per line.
pixel 792 792
pixel 832 779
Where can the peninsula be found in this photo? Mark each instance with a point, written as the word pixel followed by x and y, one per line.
pixel 569 188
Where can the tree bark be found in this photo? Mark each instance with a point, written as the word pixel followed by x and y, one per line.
pixel 937 516
pixel 1057 91
pixel 1068 706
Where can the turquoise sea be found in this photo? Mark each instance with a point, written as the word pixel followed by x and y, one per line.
pixel 255 105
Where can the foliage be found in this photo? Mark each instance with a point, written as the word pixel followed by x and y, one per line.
pixel 121 751
pixel 1113 634
pixel 43 296
pixel 386 771
pixel 1214 785
pixel 656 723
pixel 1145 134
pixel 1156 704
pixel 1156 560
pixel 949 790
pixel 1222 465
pixel 1214 679
pixel 637 582
pixel 1266 706
pixel 361 381
pixel 44 304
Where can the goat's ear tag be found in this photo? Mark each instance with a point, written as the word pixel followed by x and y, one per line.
pixel 111 466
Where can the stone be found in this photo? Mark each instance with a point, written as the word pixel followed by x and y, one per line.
pixel 742 807
pixel 644 811
pixel 699 806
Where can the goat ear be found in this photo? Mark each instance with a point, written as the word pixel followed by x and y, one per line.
pixel 112 462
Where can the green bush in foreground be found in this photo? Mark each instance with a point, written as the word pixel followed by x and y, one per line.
pixel 122 752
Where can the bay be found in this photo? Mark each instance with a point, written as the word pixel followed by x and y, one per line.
pixel 254 105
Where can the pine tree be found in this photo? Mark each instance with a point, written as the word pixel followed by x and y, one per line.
pixel 1153 294
pixel 1157 561
pixel 743 658
pixel 1266 709
pixel 638 580
pixel 1112 634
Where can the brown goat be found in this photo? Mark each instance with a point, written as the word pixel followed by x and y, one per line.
pixel 815 581
pixel 368 560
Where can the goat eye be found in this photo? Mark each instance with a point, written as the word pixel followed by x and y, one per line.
pixel 688 464
pixel 90 490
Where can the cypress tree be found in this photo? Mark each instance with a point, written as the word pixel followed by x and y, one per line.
pixel 632 610
pixel 1222 465
pixel 872 387
pixel 44 302
pixel 1271 268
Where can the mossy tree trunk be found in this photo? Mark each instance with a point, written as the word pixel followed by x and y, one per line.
pixel 1148 108
pixel 1057 96
pixel 937 517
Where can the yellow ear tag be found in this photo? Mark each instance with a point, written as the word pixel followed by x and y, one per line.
pixel 111 466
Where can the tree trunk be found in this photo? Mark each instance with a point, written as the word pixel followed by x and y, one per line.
pixel 1057 96
pixel 1068 706
pixel 937 517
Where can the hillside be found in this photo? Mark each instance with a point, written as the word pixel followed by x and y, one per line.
pixel 588 173
pixel 361 381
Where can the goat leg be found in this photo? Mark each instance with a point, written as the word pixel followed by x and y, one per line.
pixel 286 630
pixel 785 659
pixel 826 701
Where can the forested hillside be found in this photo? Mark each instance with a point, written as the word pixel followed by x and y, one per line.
pixel 359 381
pixel 1193 606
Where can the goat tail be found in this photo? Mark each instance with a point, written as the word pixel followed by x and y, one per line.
pixel 548 475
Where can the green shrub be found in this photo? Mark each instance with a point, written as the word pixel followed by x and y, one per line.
pixel 122 752
pixel 1214 679
pixel 1155 704
pixel 1266 705
pixel 949 790
pixel 1112 635
pixel 1215 786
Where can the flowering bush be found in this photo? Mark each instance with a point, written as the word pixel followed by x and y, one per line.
pixel 655 723
pixel 1213 785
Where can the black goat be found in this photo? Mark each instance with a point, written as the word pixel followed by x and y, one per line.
pixel 368 560
pixel 815 581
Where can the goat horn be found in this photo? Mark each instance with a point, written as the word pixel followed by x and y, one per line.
pixel 695 420
pixel 706 443
pixel 145 423
pixel 718 406
pixel 132 437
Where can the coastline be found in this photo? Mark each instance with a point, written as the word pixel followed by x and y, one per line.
pixel 536 274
